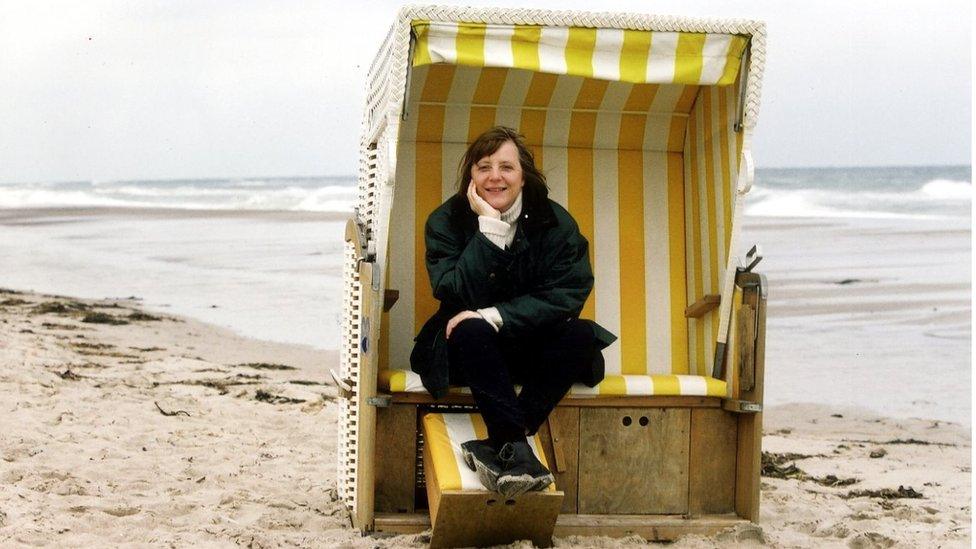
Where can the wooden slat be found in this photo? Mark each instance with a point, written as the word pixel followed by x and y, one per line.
pixel 405 523
pixel 396 449
pixel 754 296
pixel 711 477
pixel 611 452
pixel 749 451
pixel 702 306
pixel 747 466
pixel 650 527
pixel 558 460
pixel 366 466
pixel 746 332
pixel 433 492
pixel 566 423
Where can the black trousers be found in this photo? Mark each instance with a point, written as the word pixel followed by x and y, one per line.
pixel 545 363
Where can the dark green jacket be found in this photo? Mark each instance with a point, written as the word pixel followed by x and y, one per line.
pixel 543 278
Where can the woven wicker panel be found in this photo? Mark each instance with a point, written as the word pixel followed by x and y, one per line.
pixel 349 370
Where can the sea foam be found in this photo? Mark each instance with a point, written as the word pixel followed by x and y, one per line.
pixel 948 189
pixel 309 194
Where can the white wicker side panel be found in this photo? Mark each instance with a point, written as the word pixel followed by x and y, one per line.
pixel 349 370
pixel 367 188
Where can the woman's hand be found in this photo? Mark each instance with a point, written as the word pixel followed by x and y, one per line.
pixel 463 315
pixel 479 205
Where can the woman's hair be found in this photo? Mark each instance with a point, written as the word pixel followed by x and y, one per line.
pixel 486 145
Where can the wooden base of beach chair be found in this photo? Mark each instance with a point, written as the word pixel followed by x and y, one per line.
pixel 482 519
pixel 649 527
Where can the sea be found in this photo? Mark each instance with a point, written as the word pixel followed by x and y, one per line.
pixel 869 267
pixel 878 192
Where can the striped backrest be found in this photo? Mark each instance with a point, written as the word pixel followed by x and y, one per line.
pixel 646 169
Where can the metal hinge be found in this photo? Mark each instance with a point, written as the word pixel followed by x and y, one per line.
pixel 742 406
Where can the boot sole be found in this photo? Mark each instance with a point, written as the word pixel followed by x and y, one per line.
pixel 511 485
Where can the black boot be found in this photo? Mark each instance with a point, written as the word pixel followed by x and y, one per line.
pixel 482 458
pixel 522 472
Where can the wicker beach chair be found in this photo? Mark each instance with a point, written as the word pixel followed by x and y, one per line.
pixel 642 125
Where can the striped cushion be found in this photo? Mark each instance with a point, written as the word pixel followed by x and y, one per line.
pixel 406 381
pixel 443 435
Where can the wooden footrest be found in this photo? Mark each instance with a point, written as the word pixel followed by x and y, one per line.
pixel 466 518
pixel 462 512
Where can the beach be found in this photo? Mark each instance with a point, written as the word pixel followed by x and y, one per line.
pixel 167 431
pixel 195 407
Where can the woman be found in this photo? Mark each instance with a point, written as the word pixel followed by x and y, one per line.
pixel 511 271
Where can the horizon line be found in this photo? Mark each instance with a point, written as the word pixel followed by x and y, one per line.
pixel 354 176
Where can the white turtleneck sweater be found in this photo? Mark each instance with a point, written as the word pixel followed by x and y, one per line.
pixel 501 232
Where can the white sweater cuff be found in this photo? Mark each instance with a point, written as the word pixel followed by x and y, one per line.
pixel 492 316
pixel 494 229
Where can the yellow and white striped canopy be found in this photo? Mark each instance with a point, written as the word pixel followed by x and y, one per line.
pixel 634 56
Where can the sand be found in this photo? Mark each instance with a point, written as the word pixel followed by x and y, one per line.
pixel 172 432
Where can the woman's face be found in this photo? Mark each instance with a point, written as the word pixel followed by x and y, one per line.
pixel 498 177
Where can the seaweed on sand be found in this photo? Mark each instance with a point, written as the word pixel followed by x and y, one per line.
pixel 221 385
pixel 86 345
pixel 264 396
pixel 886 493
pixel 103 318
pixel 59 307
pixel 265 366
pixel 783 466
pixel 139 315
pixel 69 375
pixel 56 326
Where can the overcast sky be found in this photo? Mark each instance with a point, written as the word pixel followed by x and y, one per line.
pixel 159 90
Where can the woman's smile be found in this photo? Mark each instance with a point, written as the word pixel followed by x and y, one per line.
pixel 498 177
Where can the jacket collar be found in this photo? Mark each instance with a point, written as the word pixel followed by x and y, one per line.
pixel 536 213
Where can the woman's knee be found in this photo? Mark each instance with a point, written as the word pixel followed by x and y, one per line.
pixel 579 332
pixel 471 331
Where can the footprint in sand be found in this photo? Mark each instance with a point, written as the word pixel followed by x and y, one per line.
pixel 870 540
pixel 121 511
